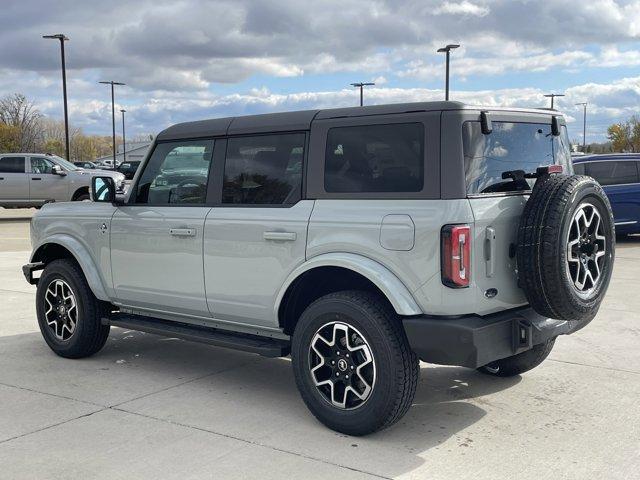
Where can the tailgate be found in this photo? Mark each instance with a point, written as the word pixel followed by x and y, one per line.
pixel 494 263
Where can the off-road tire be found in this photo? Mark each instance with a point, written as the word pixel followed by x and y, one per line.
pixel 397 366
pixel 90 334
pixel 542 247
pixel 520 363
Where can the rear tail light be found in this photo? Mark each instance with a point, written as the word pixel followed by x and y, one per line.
pixel 456 255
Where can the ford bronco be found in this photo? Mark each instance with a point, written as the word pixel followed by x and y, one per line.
pixel 357 240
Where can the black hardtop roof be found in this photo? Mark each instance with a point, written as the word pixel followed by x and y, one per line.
pixel 300 120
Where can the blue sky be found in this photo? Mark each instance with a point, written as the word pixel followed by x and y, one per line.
pixel 191 59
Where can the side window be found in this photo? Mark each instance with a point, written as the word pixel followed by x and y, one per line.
pixel 264 169
pixel 176 173
pixel 578 169
pixel 613 173
pixel 41 165
pixel 375 158
pixel 12 165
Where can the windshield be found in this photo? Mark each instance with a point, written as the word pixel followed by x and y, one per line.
pixel 184 161
pixel 63 163
pixel 510 146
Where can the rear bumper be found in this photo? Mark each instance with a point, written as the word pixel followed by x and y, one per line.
pixel 473 341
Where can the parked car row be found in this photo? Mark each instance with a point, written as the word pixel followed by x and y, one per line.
pixel 619 175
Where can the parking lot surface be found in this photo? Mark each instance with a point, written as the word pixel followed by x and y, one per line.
pixel 153 407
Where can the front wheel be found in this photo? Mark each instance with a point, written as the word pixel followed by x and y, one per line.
pixel 353 364
pixel 69 315
pixel 520 363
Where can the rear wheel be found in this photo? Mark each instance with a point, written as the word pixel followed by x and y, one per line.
pixel 520 363
pixel 69 315
pixel 353 364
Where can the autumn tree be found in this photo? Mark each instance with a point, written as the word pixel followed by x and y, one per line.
pixel 625 136
pixel 16 111
pixel 9 138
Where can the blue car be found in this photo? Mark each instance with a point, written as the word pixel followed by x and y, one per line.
pixel 619 175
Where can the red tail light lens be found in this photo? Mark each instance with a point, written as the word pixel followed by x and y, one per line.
pixel 456 255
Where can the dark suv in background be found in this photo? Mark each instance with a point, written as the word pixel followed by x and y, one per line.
pixel 619 175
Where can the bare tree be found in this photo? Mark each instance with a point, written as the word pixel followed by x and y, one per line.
pixel 17 111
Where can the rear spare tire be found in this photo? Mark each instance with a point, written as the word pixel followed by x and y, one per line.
pixel 566 247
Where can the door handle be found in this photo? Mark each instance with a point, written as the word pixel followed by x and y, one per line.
pixel 490 250
pixel 280 236
pixel 36 178
pixel 1 178
pixel 183 232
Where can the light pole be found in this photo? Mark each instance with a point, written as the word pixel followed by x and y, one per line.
pixel 584 125
pixel 113 117
pixel 552 96
pixel 63 38
pixel 124 139
pixel 447 51
pixel 361 85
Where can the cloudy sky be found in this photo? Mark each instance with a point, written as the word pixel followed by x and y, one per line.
pixel 192 59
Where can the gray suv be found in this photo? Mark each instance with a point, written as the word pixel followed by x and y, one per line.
pixel 32 179
pixel 357 240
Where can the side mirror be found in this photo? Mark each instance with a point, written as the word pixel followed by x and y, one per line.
pixel 555 126
pixel 103 189
pixel 57 170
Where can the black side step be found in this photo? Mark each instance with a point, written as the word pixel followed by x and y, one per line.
pixel 268 347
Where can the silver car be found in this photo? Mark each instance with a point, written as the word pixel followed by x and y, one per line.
pixel 32 179
pixel 357 240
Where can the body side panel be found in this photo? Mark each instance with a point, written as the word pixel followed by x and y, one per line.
pixel 77 227
pixel 354 226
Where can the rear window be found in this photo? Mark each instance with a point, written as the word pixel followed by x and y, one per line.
pixel 511 146
pixel 375 158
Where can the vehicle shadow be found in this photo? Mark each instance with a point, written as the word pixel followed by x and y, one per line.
pixel 248 397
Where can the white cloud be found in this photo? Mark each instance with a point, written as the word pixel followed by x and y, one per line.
pixel 466 66
pixel 608 103
pixel 461 8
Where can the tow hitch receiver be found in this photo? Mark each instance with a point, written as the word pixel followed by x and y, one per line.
pixel 522 335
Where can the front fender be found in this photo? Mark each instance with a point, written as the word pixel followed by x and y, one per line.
pixel 389 284
pixel 82 256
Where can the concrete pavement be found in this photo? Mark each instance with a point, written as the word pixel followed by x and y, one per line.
pixel 152 407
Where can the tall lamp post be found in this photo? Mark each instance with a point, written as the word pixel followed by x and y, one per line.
pixel 447 51
pixel 113 116
pixel 552 96
pixel 63 38
pixel 124 138
pixel 584 125
pixel 361 85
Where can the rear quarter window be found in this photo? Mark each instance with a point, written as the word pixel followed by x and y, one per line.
pixel 375 158
pixel 12 165
pixel 511 146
